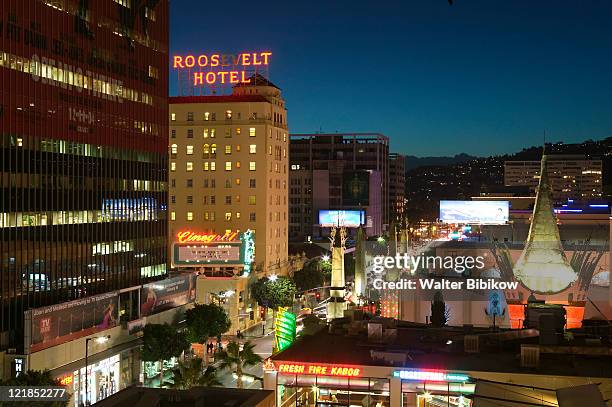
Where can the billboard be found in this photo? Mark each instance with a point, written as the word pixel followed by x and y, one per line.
pixel 476 212
pixel 167 294
pixel 56 324
pixel 356 189
pixel 197 250
pixel 348 218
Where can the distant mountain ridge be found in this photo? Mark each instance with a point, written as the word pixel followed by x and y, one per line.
pixel 415 162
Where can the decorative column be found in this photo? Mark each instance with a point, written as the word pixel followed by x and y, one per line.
pixel 337 304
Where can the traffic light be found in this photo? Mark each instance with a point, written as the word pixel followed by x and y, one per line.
pixel 318 295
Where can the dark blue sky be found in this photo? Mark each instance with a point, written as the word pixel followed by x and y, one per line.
pixel 481 76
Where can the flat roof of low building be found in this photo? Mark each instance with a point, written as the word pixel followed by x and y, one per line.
pixel 443 348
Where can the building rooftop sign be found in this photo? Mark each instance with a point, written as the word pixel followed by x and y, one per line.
pixel 217 70
pixel 431 375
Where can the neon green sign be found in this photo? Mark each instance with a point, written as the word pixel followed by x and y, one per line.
pixel 284 329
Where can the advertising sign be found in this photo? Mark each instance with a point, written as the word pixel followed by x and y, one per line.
pixel 475 212
pixel 167 294
pixel 67 321
pixel 284 329
pixel 196 249
pixel 356 189
pixel 351 219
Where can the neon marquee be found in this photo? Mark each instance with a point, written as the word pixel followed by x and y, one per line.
pixel 315 369
pixel 430 375
pixel 210 69
pixel 188 236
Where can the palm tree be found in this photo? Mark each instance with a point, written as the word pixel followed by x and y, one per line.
pixel 191 373
pixel 236 359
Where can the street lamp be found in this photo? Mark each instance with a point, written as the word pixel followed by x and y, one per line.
pixel 325 258
pixel 100 340
pixel 273 277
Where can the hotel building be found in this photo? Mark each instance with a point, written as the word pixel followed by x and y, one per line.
pixel 228 173
pixel 345 171
pixel 571 176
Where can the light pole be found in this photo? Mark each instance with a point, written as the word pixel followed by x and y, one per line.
pixel 98 339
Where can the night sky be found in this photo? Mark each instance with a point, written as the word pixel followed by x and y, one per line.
pixel 481 76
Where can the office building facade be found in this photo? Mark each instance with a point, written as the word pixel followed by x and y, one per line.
pixel 397 187
pixel 571 176
pixel 84 165
pixel 348 171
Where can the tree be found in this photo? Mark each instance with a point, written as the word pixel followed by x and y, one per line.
pixel 439 312
pixel 191 373
pixel 236 359
pixel 34 378
pixel 162 342
pixel 307 278
pixel 274 294
pixel 205 321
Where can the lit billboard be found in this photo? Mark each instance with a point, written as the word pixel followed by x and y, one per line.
pixel 347 218
pixel 196 249
pixel 475 212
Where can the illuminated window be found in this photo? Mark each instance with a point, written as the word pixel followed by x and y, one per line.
pixel 189 166
pixel 238 128
pixel 228 114
pixel 228 149
pixel 270 150
pixel 237 181
pixel 228 166
pixel 253 148
pixel 205 215
pixel 212 133
pixel 172 215
pixel 252 200
pixel 228 216
pixel 237 215
pixel 173 117
pixel 238 147
pixel 284 136
pixel 284 152
pixel 189 215
pixel 174 149
pixel 205 133
pixel 213 166
pixel 150 14
pixel 189 150
pixel 252 132
pixel 213 149
pixel 172 166
pixel 251 165
pixel 237 164
pixel 207 118
pixel 206 149
pixel 205 167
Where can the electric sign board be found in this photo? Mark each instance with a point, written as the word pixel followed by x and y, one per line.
pixel 475 212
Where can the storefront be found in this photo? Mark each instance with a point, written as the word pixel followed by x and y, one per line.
pixel 318 385
pixel 105 377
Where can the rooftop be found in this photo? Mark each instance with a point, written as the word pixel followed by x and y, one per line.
pixel 197 396
pixel 426 347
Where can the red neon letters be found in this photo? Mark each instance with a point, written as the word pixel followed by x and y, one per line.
pixel 188 236
pixel 221 61
pixel 324 370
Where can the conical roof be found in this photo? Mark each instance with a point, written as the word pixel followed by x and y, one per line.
pixel 543 266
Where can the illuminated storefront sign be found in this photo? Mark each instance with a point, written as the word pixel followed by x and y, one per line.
pixel 211 69
pixel 429 375
pixel 284 329
pixel 188 236
pixel 319 369
pixel 193 249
